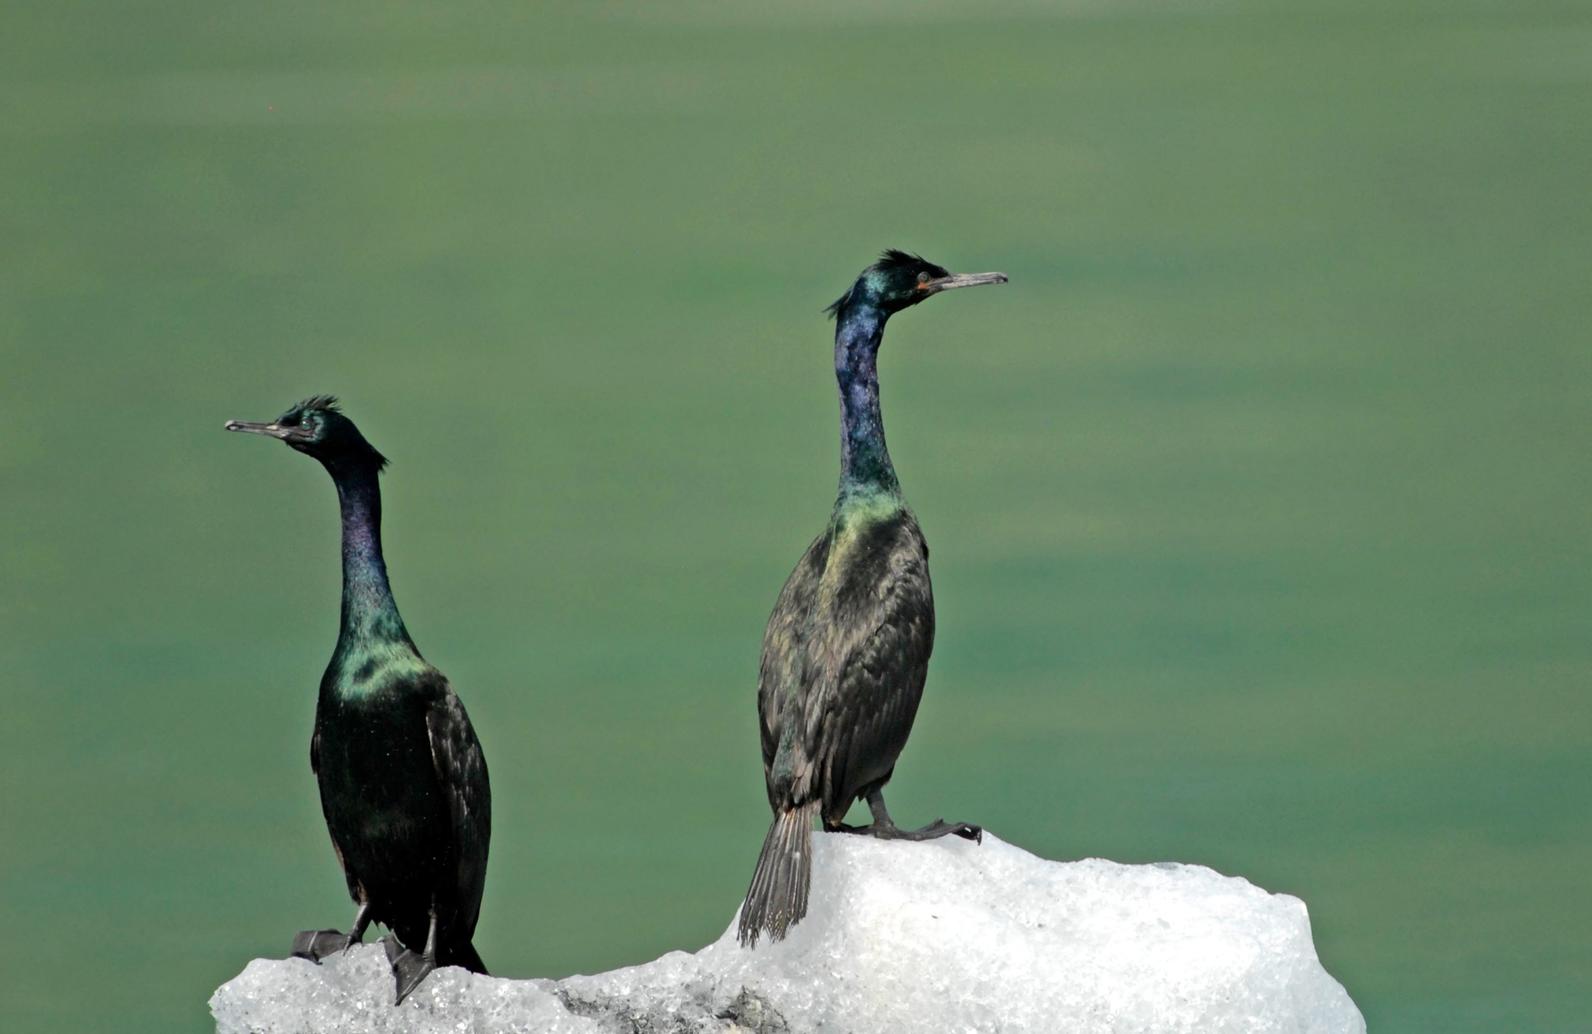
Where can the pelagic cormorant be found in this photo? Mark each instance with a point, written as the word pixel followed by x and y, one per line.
pixel 402 778
pixel 847 646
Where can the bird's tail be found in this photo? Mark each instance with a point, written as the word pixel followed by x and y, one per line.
pixel 778 895
pixel 462 955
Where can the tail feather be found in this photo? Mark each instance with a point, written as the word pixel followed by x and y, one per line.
pixel 777 898
pixel 462 955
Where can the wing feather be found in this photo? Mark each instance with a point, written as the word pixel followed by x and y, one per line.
pixel 461 774
pixel 860 713
pixel 844 661
pixel 779 677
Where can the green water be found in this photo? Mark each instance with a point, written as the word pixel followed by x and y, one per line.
pixel 1259 499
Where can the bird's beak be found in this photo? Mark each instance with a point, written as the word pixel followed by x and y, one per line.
pixel 271 430
pixel 946 283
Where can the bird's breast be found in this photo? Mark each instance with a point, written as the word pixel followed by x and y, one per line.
pixel 366 670
pixel 376 774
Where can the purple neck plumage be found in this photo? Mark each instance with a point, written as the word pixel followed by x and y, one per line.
pixel 369 610
pixel 865 466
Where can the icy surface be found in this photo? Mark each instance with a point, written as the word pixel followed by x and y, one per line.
pixel 943 936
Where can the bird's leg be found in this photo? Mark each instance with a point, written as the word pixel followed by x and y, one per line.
pixel 316 945
pixel 881 814
pixel 356 933
pixel 885 828
pixel 408 968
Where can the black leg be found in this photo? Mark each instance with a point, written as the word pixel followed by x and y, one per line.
pixel 316 945
pixel 361 923
pixel 885 828
pixel 409 968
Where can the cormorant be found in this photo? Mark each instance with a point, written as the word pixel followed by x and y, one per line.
pixel 403 782
pixel 847 646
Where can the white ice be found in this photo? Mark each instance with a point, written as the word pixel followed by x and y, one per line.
pixel 941 936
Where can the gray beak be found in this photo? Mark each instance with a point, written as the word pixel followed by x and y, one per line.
pixel 946 283
pixel 271 430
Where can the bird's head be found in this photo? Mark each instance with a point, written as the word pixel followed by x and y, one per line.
pixel 899 280
pixel 318 428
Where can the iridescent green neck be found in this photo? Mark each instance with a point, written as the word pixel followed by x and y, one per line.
pixel 865 467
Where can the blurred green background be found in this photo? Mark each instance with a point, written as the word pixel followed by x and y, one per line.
pixel 1259 499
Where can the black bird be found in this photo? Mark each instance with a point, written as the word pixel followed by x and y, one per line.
pixel 403 782
pixel 847 646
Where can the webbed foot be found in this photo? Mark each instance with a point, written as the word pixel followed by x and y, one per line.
pixel 885 828
pixel 939 828
pixel 933 831
pixel 409 968
pixel 316 945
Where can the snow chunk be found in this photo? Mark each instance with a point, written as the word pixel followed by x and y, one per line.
pixel 942 936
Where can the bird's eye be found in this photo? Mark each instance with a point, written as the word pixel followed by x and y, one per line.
pixel 923 277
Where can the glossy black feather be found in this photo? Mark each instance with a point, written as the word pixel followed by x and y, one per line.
pixel 407 802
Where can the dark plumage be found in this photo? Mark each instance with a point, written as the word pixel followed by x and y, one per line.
pixel 403 782
pixel 847 647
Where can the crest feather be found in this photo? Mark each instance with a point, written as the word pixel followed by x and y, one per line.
pixel 323 403
pixel 892 257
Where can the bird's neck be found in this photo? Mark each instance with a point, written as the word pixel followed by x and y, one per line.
pixel 865 467
pixel 369 611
